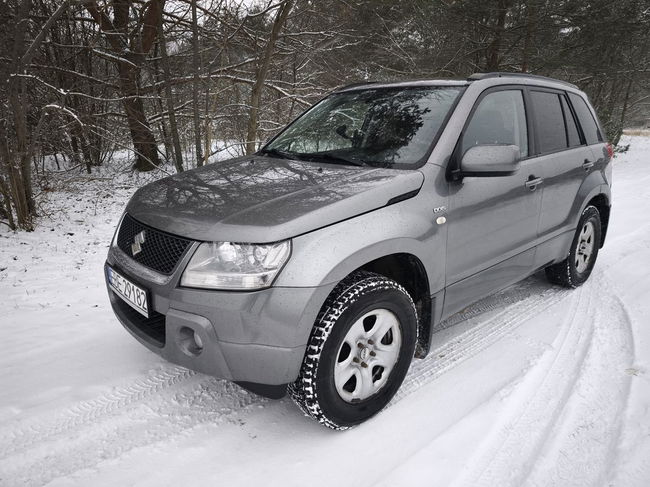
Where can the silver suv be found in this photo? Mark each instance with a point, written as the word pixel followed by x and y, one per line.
pixel 321 264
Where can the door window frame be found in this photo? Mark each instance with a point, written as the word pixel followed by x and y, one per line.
pixel 574 116
pixel 560 93
pixel 594 117
pixel 453 171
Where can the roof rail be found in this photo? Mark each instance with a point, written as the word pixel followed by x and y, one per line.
pixel 478 76
pixel 352 85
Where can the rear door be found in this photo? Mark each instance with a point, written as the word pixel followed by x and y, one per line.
pixel 565 157
pixel 590 130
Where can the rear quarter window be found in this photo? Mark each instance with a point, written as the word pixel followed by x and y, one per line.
pixel 551 131
pixel 586 119
pixel 572 134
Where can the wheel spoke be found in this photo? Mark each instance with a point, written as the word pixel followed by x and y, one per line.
pixel 386 356
pixel 342 373
pixel 385 322
pixel 367 386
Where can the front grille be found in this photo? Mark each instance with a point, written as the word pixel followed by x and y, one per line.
pixel 151 329
pixel 159 251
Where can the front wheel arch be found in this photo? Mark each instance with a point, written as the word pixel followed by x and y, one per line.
pixel 314 391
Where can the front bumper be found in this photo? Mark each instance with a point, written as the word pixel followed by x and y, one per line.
pixel 254 337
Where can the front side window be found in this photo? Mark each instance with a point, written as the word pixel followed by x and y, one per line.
pixel 383 127
pixel 500 118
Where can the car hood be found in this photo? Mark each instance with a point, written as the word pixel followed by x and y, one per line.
pixel 261 199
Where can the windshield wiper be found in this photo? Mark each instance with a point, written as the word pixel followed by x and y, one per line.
pixel 327 157
pixel 277 153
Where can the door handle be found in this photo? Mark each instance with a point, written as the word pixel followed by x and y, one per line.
pixel 587 165
pixel 533 182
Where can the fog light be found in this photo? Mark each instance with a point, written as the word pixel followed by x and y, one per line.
pixel 189 341
pixel 199 342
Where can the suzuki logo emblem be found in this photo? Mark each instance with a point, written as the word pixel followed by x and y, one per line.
pixel 138 240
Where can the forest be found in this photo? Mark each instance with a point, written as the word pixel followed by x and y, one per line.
pixel 174 83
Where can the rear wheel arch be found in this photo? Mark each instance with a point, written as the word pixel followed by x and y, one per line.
pixel 576 268
pixel 602 204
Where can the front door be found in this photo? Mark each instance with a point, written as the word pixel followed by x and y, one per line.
pixel 492 221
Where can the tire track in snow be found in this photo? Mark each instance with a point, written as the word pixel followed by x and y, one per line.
pixel 502 459
pixel 30 432
pixel 591 422
pixel 165 417
pixel 542 439
pixel 478 337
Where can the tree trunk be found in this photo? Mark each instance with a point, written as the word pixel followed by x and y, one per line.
pixel 18 106
pixel 493 51
pixel 16 189
pixel 173 127
pixel 208 135
pixel 6 207
pixel 262 72
pixel 144 143
pixel 195 87
pixel 132 50
pixel 531 22
pixel 619 131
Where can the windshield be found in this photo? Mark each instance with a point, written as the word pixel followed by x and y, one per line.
pixel 383 127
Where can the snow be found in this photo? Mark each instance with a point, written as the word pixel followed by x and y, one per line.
pixel 535 385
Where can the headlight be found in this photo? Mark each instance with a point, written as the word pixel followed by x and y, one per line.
pixel 225 265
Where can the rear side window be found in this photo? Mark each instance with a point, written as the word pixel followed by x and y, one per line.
pixel 500 118
pixel 586 119
pixel 573 137
pixel 550 126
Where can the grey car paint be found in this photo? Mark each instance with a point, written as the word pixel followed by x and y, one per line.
pixel 495 231
pixel 260 199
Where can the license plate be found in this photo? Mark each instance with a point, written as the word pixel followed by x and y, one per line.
pixel 133 295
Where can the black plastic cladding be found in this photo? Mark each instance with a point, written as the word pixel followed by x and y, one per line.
pixel 160 251
pixel 153 327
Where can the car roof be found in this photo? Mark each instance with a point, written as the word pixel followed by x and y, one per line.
pixel 495 77
pixel 402 84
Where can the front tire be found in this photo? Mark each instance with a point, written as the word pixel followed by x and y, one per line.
pixel 359 351
pixel 576 268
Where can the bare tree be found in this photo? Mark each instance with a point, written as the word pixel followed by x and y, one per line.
pixel 17 162
pixel 262 72
pixel 178 151
pixel 130 39
pixel 196 69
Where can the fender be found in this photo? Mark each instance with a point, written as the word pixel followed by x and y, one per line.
pixel 405 227
pixel 593 185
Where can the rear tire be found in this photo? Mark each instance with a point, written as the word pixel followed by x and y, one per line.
pixel 576 268
pixel 359 351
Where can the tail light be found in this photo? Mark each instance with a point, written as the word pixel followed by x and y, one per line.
pixel 610 150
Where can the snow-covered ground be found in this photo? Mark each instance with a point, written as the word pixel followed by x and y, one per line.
pixel 536 385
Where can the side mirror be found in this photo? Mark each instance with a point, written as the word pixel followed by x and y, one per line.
pixel 342 130
pixel 490 160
